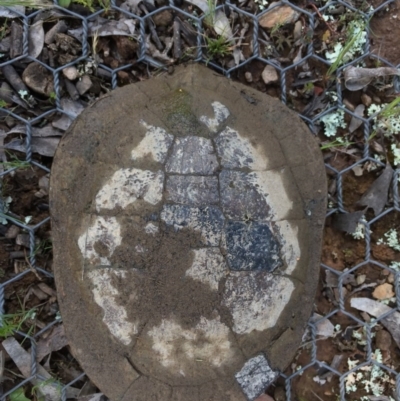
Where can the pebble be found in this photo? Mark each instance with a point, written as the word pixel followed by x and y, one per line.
pixel 366 100
pixel 383 340
pixel 281 15
pixel 38 78
pixel 390 278
pixel 360 279
pixel 383 291
pixel 12 232
pixel 84 84
pixel 248 76
pixel 377 100
pixel 164 18
pixel 298 26
pixel 348 104
pixel 23 239
pixel 71 73
pixel 269 74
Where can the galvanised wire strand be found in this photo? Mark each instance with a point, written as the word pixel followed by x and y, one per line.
pixel 308 15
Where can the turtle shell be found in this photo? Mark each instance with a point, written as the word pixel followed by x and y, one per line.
pixel 187 216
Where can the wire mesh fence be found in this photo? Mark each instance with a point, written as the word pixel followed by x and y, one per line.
pixel 310 14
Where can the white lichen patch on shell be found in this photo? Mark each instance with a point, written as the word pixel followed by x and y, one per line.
pixel 105 230
pixel 155 143
pixel 269 185
pixel 192 155
pixel 256 299
pixel 151 228
pixel 221 113
pixel 115 316
pixel 127 185
pixel 291 251
pixel 208 267
pixel 236 151
pixel 175 346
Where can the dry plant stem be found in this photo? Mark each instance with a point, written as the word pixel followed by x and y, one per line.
pixel 16 40
pixel 177 40
pixel 153 31
pixel 322 18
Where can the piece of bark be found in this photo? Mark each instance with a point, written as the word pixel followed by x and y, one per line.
pixel 16 39
pixel 14 79
pixel 347 222
pixel 36 39
pixel 60 27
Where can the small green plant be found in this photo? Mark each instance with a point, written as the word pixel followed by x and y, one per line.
pixel 9 323
pixel 280 37
pixel 18 395
pixel 218 47
pixel 44 247
pixel 386 117
pixel 210 15
pixel 337 143
pixel 39 389
pixel 356 38
pixel 26 3
pixel 14 162
pixel 52 97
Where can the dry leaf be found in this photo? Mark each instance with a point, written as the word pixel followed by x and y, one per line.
pixel 36 39
pixel 356 122
pixel 376 196
pixel 356 78
pixel 54 342
pixel 347 222
pixel 377 309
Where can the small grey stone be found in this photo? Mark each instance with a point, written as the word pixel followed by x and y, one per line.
pixel 255 376
pixel 239 197
pixel 192 190
pixel 84 84
pixel 192 155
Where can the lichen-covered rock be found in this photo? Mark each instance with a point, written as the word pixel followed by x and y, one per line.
pixel 187 227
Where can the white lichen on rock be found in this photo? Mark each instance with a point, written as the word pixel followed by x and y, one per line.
pixel 269 185
pixel 127 185
pixel 208 267
pixel 115 316
pixel 221 113
pixel 256 299
pixel 291 252
pixel 104 230
pixel 236 151
pixel 155 143
pixel 207 341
